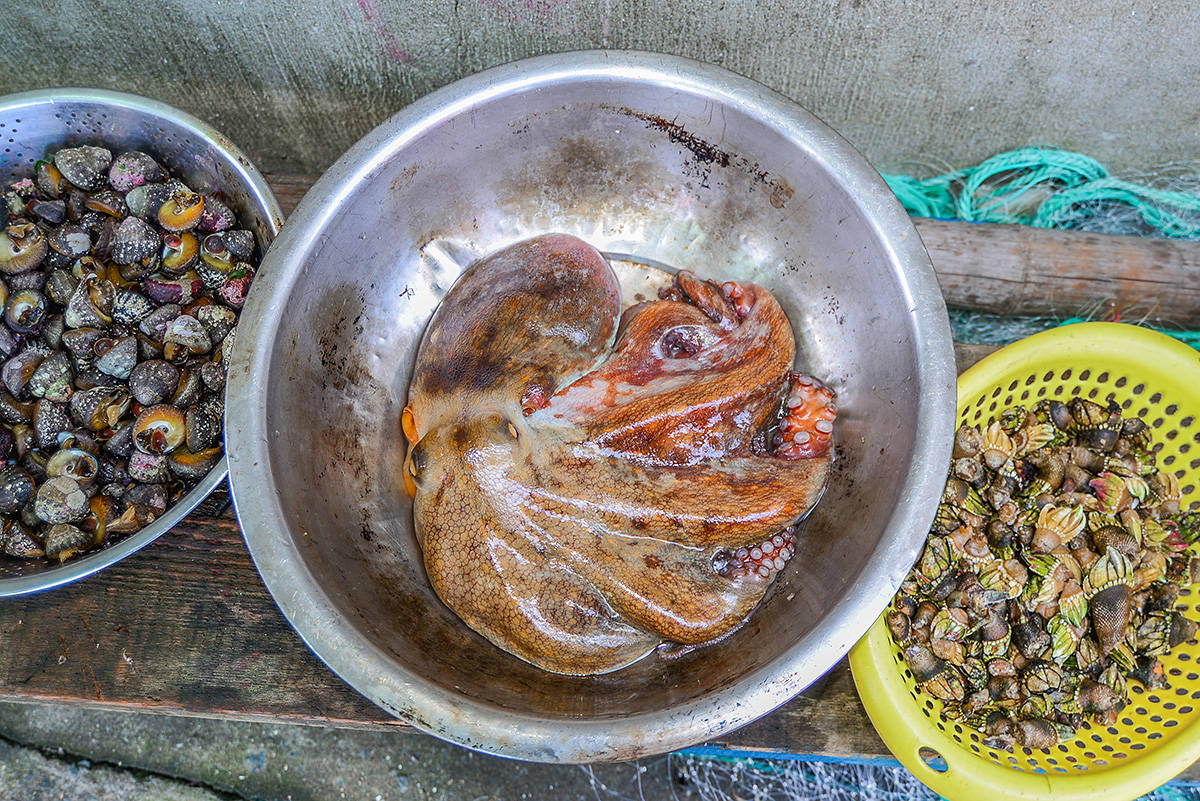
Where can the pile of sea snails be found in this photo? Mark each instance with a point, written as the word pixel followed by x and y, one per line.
pixel 120 290
pixel 1051 574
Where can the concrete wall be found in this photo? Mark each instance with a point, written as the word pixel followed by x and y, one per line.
pixel 916 85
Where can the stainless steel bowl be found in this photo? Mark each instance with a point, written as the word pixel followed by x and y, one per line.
pixel 653 157
pixel 35 123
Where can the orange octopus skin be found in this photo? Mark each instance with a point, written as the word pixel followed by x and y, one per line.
pixel 590 484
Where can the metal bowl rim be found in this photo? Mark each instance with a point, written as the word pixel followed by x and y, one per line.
pixel 257 184
pixel 477 724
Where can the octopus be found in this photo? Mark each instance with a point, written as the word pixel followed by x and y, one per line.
pixel 591 482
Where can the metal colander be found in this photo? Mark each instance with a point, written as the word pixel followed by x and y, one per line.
pixel 1158 734
pixel 35 123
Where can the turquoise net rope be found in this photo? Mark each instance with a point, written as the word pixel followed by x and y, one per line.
pixel 1051 188
pixel 1046 188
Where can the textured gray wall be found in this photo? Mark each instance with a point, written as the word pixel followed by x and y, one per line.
pixel 916 85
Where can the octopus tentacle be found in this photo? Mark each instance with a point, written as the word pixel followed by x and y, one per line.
pixel 763 559
pixel 806 428
pixel 687 505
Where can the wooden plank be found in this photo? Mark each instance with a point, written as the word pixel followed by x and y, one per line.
pixel 1016 269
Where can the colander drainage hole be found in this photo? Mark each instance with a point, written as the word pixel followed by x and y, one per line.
pixel 933 759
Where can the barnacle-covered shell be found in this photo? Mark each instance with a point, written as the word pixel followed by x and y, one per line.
pixel 16 541
pixel 203 428
pixel 133 241
pixel 1056 526
pixel 240 243
pixel 49 420
pixel 16 488
pixel 120 359
pixel 52 378
pixel 86 166
pixel 64 541
pixel 132 169
pixel 151 496
pixel 234 291
pixel 153 381
pixel 147 468
pixel 100 408
pixel 60 500
pixel 215 217
pixel 212 375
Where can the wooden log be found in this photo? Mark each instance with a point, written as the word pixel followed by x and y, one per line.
pixel 1016 269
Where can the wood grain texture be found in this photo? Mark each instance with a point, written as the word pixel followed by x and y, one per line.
pixel 916 87
pixel 1016 269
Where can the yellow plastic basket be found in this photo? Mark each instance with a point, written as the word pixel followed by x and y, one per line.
pixel 1158 733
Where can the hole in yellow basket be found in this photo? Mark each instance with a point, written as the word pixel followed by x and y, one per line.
pixel 933 759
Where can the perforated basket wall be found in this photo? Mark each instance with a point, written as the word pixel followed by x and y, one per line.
pixel 1158 733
